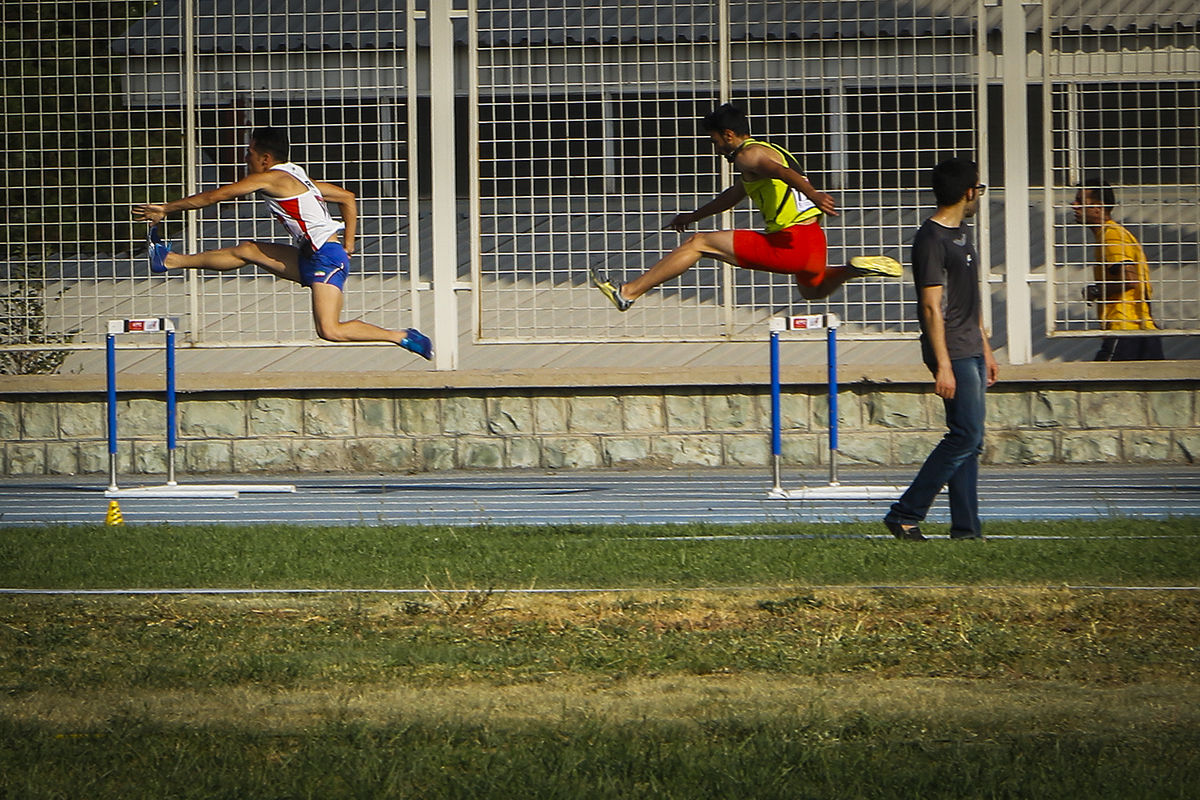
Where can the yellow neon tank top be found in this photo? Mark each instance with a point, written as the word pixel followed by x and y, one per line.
pixel 781 206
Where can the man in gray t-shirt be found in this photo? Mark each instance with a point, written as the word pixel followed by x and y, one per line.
pixel 956 350
pixel 945 257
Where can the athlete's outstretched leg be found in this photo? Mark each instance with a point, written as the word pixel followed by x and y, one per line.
pixel 859 267
pixel 715 244
pixel 327 302
pixel 327 311
pixel 279 259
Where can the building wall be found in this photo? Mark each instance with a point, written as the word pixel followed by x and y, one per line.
pixel 559 427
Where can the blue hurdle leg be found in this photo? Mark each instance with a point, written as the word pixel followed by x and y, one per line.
pixel 110 370
pixel 171 420
pixel 776 421
pixel 831 363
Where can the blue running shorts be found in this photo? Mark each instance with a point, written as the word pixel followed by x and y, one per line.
pixel 330 264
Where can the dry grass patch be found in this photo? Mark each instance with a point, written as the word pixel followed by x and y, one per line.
pixel 784 693
pixel 749 700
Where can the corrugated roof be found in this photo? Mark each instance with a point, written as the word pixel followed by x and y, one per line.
pixel 228 26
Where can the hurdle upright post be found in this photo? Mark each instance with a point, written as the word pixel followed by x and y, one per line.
pixel 171 415
pixel 110 368
pixel 777 325
pixel 831 326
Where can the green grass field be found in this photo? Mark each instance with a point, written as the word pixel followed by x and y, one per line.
pixel 828 666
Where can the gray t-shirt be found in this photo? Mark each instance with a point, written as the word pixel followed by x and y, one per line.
pixel 946 257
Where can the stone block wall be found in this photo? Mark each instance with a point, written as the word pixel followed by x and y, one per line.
pixel 415 430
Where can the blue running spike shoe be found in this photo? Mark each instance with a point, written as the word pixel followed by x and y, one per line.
pixel 158 250
pixel 416 342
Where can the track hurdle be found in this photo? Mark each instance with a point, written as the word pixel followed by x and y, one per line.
pixel 834 489
pixel 172 488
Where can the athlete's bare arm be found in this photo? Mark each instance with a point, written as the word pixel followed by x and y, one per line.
pixel 722 202
pixel 275 183
pixel 346 202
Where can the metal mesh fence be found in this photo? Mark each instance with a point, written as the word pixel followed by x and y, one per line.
pixel 1125 107
pixel 589 141
pixel 586 141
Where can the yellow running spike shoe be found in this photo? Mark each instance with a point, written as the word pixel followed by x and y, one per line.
pixel 611 290
pixel 875 267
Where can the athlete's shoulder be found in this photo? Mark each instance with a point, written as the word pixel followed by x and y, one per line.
pixel 770 149
pixel 285 179
pixel 758 157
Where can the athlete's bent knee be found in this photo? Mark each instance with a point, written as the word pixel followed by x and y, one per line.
pixel 331 333
pixel 247 250
pixel 699 241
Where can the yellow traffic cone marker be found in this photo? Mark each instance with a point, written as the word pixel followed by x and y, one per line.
pixel 114 514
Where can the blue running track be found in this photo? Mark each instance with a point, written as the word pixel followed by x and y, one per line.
pixel 589 497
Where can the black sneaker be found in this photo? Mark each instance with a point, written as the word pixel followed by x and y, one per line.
pixel 911 533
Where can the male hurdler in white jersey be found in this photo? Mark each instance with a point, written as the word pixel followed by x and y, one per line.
pixel 317 258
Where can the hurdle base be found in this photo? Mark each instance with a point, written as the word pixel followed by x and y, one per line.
pixel 838 491
pixel 202 491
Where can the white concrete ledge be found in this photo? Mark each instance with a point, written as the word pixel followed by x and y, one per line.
pixel 1047 372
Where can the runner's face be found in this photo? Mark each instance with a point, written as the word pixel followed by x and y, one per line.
pixel 255 161
pixel 724 143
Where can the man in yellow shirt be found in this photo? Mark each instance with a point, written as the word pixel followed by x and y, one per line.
pixel 792 243
pixel 1122 288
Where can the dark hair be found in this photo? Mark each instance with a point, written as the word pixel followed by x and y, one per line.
pixel 727 118
pixel 273 141
pixel 952 179
pixel 1101 189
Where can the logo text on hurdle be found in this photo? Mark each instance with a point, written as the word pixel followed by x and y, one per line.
pixel 143 325
pixel 805 322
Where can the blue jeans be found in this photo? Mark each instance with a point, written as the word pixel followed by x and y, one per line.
pixel 954 463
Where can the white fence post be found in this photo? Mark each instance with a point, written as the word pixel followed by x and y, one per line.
pixel 444 247
pixel 1016 184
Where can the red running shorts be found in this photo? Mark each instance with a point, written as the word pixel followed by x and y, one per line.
pixel 798 250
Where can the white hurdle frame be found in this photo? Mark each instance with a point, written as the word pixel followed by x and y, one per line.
pixel 834 489
pixel 171 488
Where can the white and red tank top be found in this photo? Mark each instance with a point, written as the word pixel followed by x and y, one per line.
pixel 306 216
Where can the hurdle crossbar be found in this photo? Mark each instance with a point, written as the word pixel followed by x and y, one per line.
pixel 167 326
pixel 834 489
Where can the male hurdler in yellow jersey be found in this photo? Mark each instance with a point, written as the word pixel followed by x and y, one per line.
pixel 791 242
pixel 1122 289
pixel 318 258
